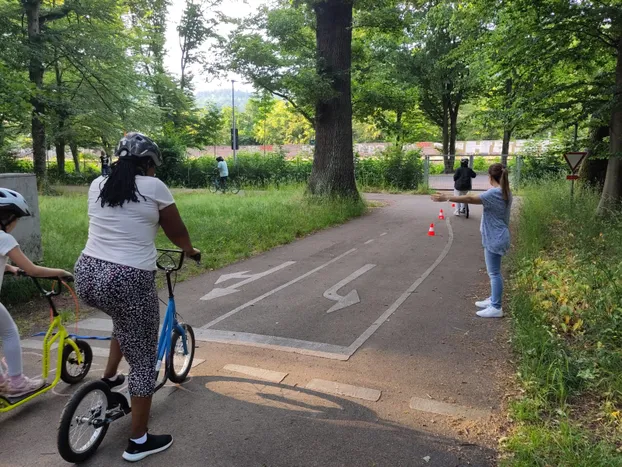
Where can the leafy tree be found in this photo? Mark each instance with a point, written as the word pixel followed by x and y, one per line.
pixel 194 29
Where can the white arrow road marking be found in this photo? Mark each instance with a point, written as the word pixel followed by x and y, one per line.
pixel 221 292
pixel 350 299
pixel 235 275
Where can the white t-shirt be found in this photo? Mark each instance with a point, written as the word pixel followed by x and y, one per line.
pixel 7 243
pixel 126 235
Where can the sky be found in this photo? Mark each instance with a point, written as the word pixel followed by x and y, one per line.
pixel 232 8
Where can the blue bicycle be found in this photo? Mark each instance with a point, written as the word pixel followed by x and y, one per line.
pixel 90 411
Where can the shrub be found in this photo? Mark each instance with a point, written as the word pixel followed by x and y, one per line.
pixel 393 169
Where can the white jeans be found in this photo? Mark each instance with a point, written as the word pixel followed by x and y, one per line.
pixel 460 206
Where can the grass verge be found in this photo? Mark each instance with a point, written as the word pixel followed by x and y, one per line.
pixel 566 303
pixel 225 228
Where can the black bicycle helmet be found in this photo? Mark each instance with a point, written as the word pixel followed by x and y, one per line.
pixel 138 145
pixel 13 203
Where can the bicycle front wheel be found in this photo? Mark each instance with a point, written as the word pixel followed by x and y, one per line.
pixel 71 371
pixel 82 423
pixel 180 359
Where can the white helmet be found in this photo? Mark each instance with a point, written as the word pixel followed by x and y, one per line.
pixel 14 203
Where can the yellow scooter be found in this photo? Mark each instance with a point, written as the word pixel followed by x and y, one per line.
pixel 74 356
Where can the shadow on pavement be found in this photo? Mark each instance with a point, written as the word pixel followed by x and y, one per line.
pixel 231 421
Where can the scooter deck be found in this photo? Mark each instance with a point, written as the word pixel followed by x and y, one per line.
pixel 15 400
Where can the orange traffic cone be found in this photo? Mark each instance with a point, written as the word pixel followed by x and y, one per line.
pixel 431 231
pixel 441 216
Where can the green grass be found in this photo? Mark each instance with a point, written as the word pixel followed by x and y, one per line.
pixel 226 228
pixel 566 304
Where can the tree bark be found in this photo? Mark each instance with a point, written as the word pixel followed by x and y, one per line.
pixel 507 130
pixel 505 146
pixel 333 163
pixel 75 155
pixel 60 154
pixel 453 135
pixel 612 190
pixel 32 9
pixel 593 170
pixel 445 130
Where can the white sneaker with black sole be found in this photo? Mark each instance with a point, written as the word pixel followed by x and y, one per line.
pixel 490 312
pixel 154 444
pixel 484 303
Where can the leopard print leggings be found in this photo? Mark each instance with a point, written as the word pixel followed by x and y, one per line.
pixel 129 296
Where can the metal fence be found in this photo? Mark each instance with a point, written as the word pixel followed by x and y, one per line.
pixel 435 178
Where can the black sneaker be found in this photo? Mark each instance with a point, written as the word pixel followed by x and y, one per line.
pixel 114 383
pixel 154 444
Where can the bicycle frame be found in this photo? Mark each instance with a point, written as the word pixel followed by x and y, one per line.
pixel 170 320
pixel 56 333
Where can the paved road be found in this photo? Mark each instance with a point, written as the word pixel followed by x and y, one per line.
pixel 357 346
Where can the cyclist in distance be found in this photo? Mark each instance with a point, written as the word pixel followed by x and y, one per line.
pixel 117 268
pixel 462 183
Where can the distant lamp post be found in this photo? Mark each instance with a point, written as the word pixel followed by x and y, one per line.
pixel 234 133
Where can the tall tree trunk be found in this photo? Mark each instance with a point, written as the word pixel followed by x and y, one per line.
pixel 445 130
pixel 333 164
pixel 60 154
pixel 35 73
pixel 453 135
pixel 505 146
pixel 593 170
pixel 75 155
pixel 507 130
pixel 612 190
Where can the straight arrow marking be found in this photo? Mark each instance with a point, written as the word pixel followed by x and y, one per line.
pixel 351 298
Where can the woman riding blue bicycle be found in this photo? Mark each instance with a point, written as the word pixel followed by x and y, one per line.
pixel 116 273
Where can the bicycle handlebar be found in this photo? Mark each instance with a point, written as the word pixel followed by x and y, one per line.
pixel 48 293
pixel 181 254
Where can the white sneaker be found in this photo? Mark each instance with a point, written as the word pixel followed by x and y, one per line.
pixel 490 312
pixel 456 213
pixel 484 303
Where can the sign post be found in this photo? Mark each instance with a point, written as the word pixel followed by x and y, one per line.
pixel 574 160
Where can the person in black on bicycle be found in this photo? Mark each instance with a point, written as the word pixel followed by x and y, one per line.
pixel 462 183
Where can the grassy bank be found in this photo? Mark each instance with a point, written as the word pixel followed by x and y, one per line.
pixel 225 228
pixel 566 303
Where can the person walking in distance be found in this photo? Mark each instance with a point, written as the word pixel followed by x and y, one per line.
pixel 462 183
pixel 117 268
pixel 495 230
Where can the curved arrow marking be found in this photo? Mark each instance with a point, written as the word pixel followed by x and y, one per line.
pixel 248 278
pixel 351 298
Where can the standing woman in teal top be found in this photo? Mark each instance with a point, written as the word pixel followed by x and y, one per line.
pixel 495 229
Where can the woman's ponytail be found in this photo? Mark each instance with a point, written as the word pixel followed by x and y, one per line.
pixel 500 175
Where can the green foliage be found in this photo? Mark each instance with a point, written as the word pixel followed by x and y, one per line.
pixel 394 169
pixel 567 327
pixel 544 164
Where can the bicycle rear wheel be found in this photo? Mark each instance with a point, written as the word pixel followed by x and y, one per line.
pixel 180 361
pixel 467 210
pixel 82 424
pixel 234 187
pixel 212 185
